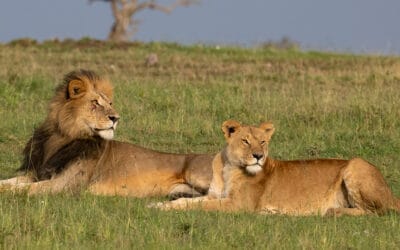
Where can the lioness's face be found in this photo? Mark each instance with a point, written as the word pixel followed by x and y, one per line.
pixel 247 146
pixel 89 109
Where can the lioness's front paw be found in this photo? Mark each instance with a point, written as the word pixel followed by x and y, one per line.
pixel 333 212
pixel 160 205
pixel 153 204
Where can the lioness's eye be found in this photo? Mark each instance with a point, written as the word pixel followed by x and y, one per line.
pixel 95 102
pixel 245 141
pixel 110 103
pixel 262 142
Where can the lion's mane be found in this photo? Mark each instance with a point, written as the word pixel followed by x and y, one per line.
pixel 69 149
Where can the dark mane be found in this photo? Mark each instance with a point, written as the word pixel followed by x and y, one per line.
pixel 34 151
pixel 77 149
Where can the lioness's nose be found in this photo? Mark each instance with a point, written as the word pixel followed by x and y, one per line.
pixel 113 118
pixel 258 156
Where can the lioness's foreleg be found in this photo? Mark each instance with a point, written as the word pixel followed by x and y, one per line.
pixel 224 204
pixel 201 203
pixel 179 204
pixel 345 211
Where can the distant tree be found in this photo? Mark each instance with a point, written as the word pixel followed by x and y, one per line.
pixel 125 25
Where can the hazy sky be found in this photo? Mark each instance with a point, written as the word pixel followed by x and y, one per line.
pixel 370 26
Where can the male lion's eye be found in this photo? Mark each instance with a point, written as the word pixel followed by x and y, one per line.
pixel 95 104
pixel 262 143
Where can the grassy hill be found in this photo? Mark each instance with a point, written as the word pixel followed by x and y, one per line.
pixel 323 105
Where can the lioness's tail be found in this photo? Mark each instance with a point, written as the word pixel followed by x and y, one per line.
pixel 394 205
pixel 397 204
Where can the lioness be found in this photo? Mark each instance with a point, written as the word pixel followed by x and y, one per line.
pixel 73 150
pixel 245 178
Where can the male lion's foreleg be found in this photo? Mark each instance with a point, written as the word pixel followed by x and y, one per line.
pixel 32 188
pixel 17 180
pixel 52 186
pixel 43 187
pixel 21 187
pixel 16 184
pixel 70 180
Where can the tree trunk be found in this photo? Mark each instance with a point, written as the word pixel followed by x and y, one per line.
pixel 120 30
pixel 124 25
pixel 122 20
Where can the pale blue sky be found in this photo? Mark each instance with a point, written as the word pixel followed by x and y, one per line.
pixel 369 26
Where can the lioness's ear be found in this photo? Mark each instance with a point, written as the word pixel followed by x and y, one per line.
pixel 76 89
pixel 229 127
pixel 268 128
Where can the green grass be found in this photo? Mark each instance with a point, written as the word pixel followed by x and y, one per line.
pixel 323 105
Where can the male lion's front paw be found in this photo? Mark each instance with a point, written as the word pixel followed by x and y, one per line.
pixel 5 187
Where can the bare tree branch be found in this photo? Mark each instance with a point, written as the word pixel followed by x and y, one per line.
pixel 114 8
pixel 124 11
pixel 166 9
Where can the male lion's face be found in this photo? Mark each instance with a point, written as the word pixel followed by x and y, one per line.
pixel 88 111
pixel 247 146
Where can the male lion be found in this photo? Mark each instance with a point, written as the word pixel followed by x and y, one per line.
pixel 73 150
pixel 245 178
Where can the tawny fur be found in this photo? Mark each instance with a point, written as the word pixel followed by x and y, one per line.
pixel 73 150
pixel 303 187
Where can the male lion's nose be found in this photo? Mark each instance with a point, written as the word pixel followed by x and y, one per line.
pixel 113 118
pixel 258 156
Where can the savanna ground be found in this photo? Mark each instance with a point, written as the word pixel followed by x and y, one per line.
pixel 323 105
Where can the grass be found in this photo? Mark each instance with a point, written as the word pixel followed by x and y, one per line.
pixel 323 105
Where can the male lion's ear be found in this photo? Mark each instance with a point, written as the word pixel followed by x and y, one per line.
pixel 268 128
pixel 229 127
pixel 76 89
